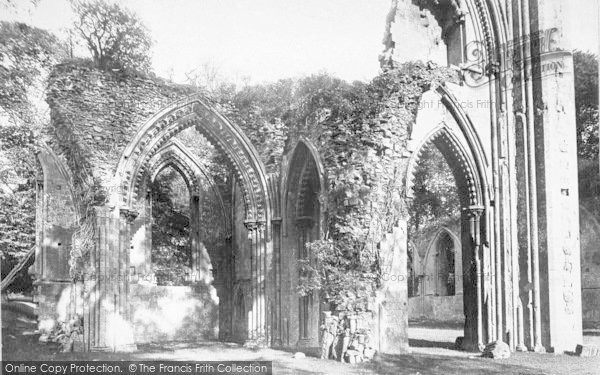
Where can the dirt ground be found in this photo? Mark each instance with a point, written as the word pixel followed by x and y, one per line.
pixel 431 354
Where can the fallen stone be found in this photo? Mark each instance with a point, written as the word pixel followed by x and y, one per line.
pixel 496 350
pixel 354 356
pixel 587 351
pixel 458 344
pixel 78 345
pixel 369 353
pixel 299 355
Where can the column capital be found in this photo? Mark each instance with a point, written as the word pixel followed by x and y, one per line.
pixel 102 211
pixel 252 225
pixel 460 17
pixel 493 67
pixel 474 211
pixel 128 214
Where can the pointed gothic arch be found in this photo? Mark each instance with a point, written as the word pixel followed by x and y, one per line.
pixel 462 166
pixel 462 150
pixel 303 184
pixel 178 156
pixel 224 135
pixel 432 255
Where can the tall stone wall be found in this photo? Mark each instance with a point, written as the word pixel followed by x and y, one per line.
pixel 364 161
pixel 56 221
pixel 95 115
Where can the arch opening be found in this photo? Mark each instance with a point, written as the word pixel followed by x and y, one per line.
pixel 211 162
pixel 171 243
pixel 444 242
pixel 304 225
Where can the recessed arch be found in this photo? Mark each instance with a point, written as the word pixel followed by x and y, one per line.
pixel 305 167
pixel 303 185
pixel 456 139
pixel 436 238
pixel 224 135
pixel 190 179
pixel 177 155
pixel 57 216
pixel 49 162
pixel 469 186
pixel 463 149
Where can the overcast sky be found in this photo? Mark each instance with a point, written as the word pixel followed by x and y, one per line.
pixel 265 40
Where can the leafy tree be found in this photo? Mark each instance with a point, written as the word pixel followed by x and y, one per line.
pixel 586 105
pixel 115 36
pixel 435 191
pixel 171 251
pixel 586 79
pixel 262 111
pixel 26 56
pixel 26 53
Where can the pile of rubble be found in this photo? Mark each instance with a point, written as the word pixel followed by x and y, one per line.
pixel 341 340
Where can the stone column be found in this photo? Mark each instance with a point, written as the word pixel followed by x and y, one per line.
pixel 277 321
pixel 551 120
pixel 393 293
pixel 127 218
pixel 107 297
pixel 195 240
pixel 472 279
pixel 257 330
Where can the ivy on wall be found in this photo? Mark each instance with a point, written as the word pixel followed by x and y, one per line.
pixel 26 55
pixel 361 132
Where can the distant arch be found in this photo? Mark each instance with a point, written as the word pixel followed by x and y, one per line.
pixel 432 261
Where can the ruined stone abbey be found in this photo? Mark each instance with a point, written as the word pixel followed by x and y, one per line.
pixel 487 83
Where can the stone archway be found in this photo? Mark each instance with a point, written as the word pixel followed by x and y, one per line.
pixel 225 136
pixel 302 223
pixel 138 162
pixel 435 266
pixel 464 161
pixel 56 225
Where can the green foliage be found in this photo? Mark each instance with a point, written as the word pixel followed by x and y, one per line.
pixel 586 79
pixel 356 127
pixel 262 112
pixel 115 36
pixel 586 105
pixel 343 281
pixel 435 192
pixel 17 206
pixel 25 52
pixel 171 251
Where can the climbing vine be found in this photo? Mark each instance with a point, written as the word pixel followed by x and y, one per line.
pixel 361 132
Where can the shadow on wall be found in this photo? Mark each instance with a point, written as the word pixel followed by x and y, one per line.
pixel 590 267
pixel 174 313
pixel 437 308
